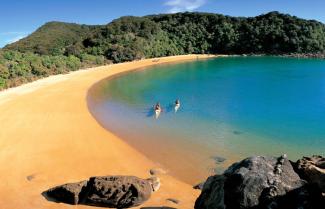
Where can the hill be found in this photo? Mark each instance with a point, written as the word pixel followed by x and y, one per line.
pixel 58 47
pixel 129 38
pixel 52 38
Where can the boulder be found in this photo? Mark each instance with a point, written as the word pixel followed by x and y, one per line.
pixel 68 193
pixel 106 191
pixel 256 183
pixel 312 169
pixel 212 196
pixel 118 191
pixel 258 179
pixel 157 171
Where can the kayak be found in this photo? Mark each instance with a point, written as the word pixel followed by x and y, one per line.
pixel 177 106
pixel 157 112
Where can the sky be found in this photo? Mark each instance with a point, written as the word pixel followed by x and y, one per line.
pixel 19 18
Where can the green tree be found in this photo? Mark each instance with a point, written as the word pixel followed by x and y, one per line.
pixel 73 63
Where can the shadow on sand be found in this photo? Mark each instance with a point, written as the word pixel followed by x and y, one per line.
pixel 162 207
pixel 54 200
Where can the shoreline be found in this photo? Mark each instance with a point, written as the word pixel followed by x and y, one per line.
pixel 320 56
pixel 285 55
pixel 49 137
pixel 179 149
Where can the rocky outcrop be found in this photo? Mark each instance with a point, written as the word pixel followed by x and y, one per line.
pixel 312 169
pixel 106 191
pixel 256 183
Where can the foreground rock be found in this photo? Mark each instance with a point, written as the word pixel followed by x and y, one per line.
pixel 312 169
pixel 106 191
pixel 258 183
pixel 67 193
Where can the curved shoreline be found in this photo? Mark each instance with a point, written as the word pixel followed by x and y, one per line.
pixel 48 137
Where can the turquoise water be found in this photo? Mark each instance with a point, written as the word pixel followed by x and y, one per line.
pixel 231 107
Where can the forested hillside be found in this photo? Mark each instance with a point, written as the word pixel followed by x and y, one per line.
pixel 53 38
pixel 61 47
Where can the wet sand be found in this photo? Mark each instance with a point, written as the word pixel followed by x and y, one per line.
pixel 48 137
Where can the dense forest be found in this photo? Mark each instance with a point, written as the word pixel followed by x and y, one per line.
pixel 62 47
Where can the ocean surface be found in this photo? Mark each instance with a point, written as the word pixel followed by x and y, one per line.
pixel 231 108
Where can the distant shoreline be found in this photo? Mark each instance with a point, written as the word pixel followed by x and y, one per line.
pixel 289 55
pixel 156 61
pixel 153 60
pixel 305 55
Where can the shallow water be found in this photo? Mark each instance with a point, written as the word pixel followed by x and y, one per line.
pixel 230 107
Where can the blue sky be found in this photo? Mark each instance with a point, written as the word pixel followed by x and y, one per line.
pixel 19 18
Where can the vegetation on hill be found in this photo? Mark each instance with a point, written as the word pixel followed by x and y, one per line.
pixel 17 68
pixel 61 47
pixel 53 38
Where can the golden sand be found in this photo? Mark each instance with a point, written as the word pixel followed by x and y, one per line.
pixel 48 138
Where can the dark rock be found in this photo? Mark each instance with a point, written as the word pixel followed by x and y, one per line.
pixel 30 177
pixel 67 193
pixel 305 197
pixel 219 159
pixel 258 183
pixel 173 200
pixel 157 171
pixel 312 169
pixel 199 186
pixel 118 191
pixel 212 195
pixel 237 132
pixel 256 178
pixel 158 207
pixel 106 191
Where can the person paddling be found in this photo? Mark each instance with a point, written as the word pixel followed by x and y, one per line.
pixel 177 102
pixel 157 106
pixel 177 105
pixel 157 109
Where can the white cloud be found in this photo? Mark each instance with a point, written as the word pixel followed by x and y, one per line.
pixel 184 5
pixel 16 38
pixel 11 37
pixel 11 33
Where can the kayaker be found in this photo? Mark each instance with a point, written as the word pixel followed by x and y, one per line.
pixel 157 106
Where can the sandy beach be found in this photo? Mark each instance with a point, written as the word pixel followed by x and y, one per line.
pixel 48 138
